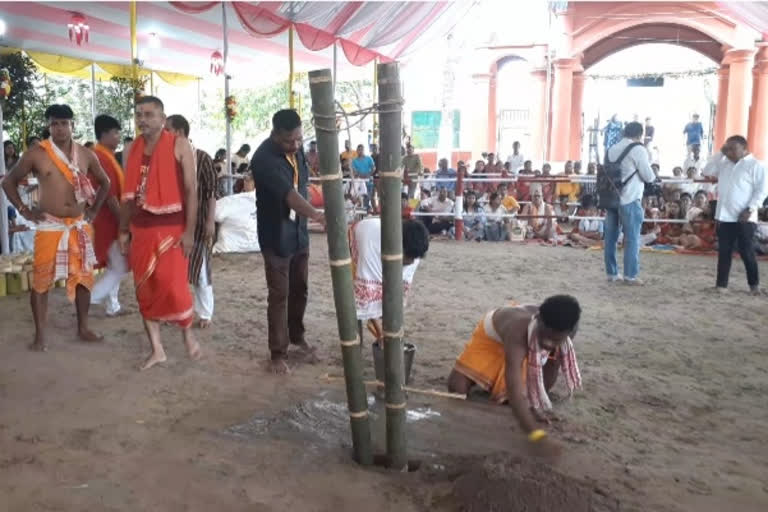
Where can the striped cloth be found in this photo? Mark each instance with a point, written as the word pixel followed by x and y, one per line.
pixel 206 189
pixel 569 367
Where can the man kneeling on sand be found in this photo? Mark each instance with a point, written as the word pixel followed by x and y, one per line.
pixel 515 354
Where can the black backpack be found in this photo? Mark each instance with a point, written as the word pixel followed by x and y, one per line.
pixel 609 182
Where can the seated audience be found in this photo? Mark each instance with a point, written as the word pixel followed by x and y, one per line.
pixel 588 233
pixel 474 218
pixel 686 200
pixel 496 225
pixel 672 191
pixel 761 234
pixel 699 234
pixel 540 228
pixel 669 233
pixel 442 205
pixel 650 231
pixel 508 200
pixel 700 205
pixel 572 190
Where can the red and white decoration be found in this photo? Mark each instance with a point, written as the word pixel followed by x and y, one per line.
pixel 217 63
pixel 78 28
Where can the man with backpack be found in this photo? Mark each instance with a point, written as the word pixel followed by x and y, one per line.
pixel 620 193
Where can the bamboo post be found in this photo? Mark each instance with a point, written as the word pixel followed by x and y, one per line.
pixel 323 110
pixel 458 216
pixel 391 123
pixel 4 235
pixel 134 42
pixel 93 98
pixel 228 175
pixel 291 101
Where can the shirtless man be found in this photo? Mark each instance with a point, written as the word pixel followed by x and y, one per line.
pixel 515 354
pixel 67 205
pixel 543 229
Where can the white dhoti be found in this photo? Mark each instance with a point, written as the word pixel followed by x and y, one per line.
pixel 204 293
pixel 108 287
pixel 365 246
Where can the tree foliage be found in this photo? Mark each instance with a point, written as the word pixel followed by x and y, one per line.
pixel 255 107
pixel 24 78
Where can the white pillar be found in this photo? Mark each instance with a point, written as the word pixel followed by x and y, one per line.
pixel 480 97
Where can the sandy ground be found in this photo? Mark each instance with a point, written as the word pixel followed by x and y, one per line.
pixel 672 418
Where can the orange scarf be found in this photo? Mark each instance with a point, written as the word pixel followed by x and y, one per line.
pixel 118 170
pixel 163 182
pixel 84 192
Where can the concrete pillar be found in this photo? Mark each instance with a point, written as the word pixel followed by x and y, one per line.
pixel 722 107
pixel 758 137
pixel 562 94
pixel 752 104
pixel 480 101
pixel 538 121
pixel 739 91
pixel 492 111
pixel 577 96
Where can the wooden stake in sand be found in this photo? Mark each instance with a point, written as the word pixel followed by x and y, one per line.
pixel 323 109
pixel 390 184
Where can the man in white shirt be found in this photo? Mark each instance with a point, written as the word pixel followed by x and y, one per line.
pixel 440 204
pixel 742 186
pixel 516 159
pixel 635 173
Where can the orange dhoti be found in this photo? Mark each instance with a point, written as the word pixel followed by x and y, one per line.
pixel 63 250
pixel 160 268
pixel 484 361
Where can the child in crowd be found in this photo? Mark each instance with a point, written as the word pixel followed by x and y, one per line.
pixel 670 232
pixel 405 204
pixel 474 218
pixel 588 233
pixel 700 205
pixel 699 234
pixel 495 222
pixel 650 231
pixel 686 200
pixel 508 200
pixel 672 191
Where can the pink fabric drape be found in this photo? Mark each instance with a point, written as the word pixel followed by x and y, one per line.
pixel 194 7
pixel 365 30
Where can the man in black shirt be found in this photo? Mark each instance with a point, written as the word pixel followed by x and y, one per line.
pixel 281 175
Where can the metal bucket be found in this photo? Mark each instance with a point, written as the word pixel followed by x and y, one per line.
pixel 409 351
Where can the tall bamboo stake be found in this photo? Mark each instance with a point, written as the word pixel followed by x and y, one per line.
pixel 391 126
pixel 323 110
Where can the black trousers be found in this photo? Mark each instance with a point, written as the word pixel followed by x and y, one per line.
pixel 729 235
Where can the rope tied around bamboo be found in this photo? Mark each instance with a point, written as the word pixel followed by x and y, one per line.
pixel 340 262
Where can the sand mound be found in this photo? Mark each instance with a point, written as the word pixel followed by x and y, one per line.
pixel 509 484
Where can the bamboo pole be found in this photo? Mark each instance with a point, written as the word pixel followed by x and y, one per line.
pixel 4 240
pixel 134 43
pixel 225 42
pixel 290 67
pixel 391 122
pixel 323 110
pixel 93 98
pixel 375 132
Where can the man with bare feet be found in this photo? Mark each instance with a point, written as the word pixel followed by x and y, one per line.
pixel 157 223
pixel 515 354
pixel 281 175
pixel 105 224
pixel 68 203
pixel 205 227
